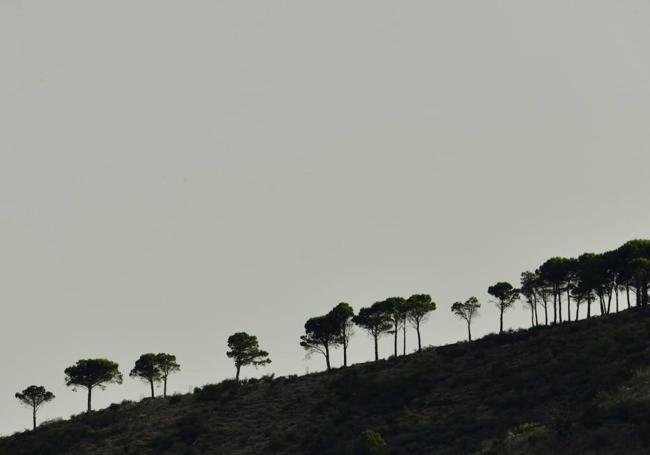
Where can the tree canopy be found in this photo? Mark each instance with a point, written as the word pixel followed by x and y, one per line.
pixel 92 373
pixel 467 311
pixel 34 397
pixel 245 350
pixel 147 369
pixel 322 333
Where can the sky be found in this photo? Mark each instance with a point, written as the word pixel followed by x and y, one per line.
pixel 175 172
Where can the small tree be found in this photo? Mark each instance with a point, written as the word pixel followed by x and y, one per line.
pixel 245 350
pixel 375 321
pixel 91 373
pixel 341 317
pixel 322 333
pixel 167 365
pixel 418 307
pixel 147 369
pixel 467 311
pixel 34 397
pixel 506 296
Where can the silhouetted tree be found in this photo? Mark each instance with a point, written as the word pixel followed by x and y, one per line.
pixel 167 365
pixel 91 373
pixel 418 307
pixel 554 271
pixel 589 278
pixel 393 307
pixel 245 350
pixel 528 285
pixel 641 274
pixel 321 334
pixel 341 316
pixel 375 321
pixel 543 290
pixel 506 296
pixel 34 397
pixel 147 369
pixel 467 311
pixel 570 270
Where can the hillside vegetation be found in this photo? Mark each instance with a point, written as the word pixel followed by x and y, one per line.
pixel 580 387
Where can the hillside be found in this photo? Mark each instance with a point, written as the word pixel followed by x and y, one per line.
pixel 581 387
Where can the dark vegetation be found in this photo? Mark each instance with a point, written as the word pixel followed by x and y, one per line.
pixel 513 393
pixel 582 387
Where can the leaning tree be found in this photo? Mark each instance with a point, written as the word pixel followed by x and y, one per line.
pixel 34 397
pixel 92 373
pixel 245 350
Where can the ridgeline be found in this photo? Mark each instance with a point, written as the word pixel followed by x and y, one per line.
pixel 573 388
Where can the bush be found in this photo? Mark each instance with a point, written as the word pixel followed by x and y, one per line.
pixel 370 443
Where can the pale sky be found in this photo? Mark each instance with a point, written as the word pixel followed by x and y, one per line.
pixel 174 172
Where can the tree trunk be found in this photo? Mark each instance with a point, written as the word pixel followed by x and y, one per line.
pixel 33 417
pixel 532 317
pixel 404 337
pixel 417 329
pixel 151 384
pixel 327 357
pixel 345 352
pixel 376 348
pixel 90 394
pixel 535 303
pixel 165 387
pixel 545 312
pixel 500 319
pixel 395 338
pixel 577 309
pixel 627 295
pixel 237 374
pixel 554 305
pixel 609 300
pixel 568 304
pixel 588 306
pixel 559 304
pixel 469 331
pixel 616 291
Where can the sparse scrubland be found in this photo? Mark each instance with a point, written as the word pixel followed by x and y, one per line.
pixel 580 387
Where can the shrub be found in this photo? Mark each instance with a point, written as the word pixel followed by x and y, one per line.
pixel 370 443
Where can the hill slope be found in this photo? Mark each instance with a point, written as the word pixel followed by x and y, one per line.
pixel 575 388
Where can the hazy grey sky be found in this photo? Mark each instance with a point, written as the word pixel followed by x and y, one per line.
pixel 173 172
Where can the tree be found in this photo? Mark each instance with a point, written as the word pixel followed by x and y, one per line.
pixel 375 321
pixel 321 334
pixel 589 274
pixel 341 317
pixel 555 272
pixel 418 307
pixel 467 311
pixel 91 373
pixel 528 290
pixel 34 397
pixel 147 369
pixel 393 307
pixel 506 296
pixel 245 350
pixel 167 365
